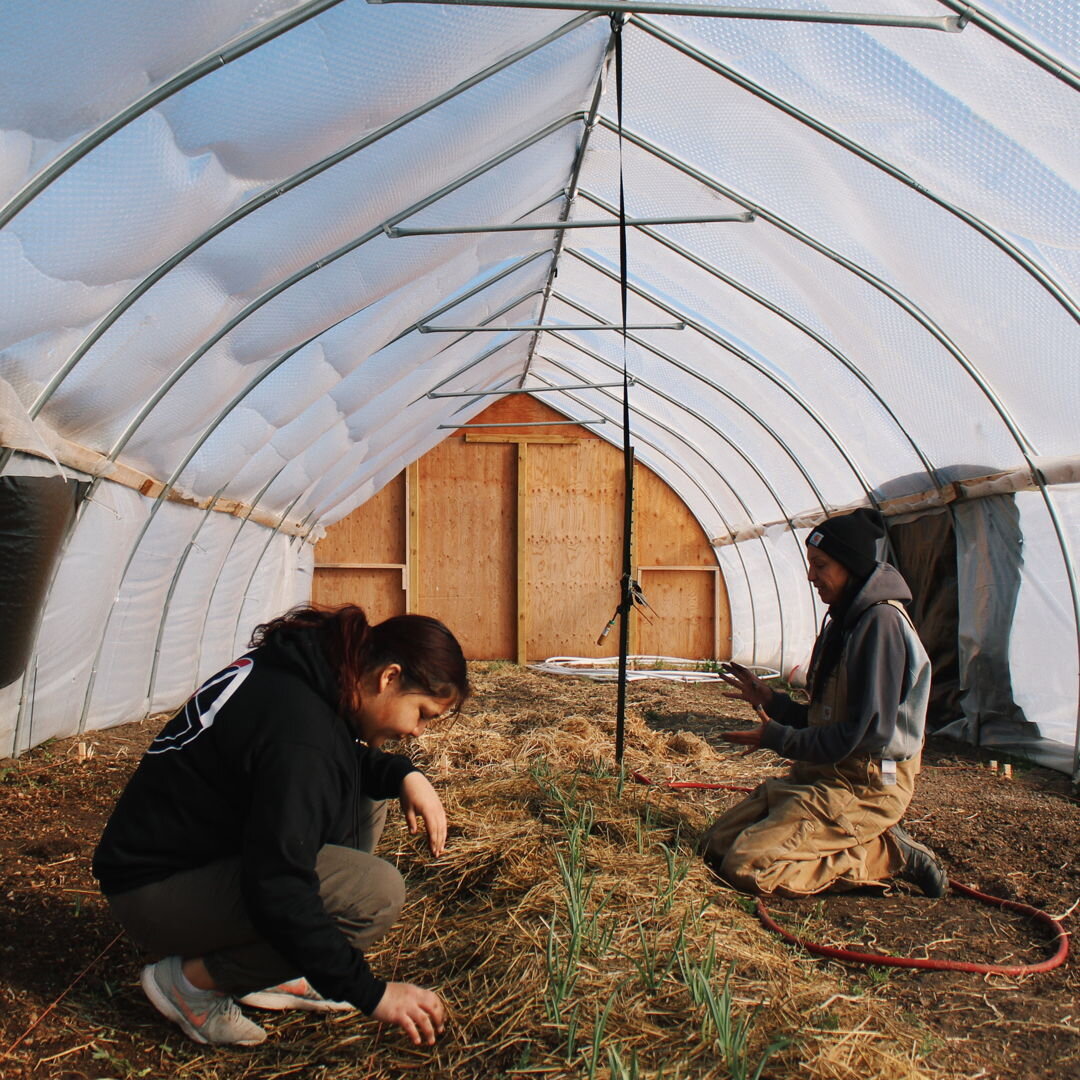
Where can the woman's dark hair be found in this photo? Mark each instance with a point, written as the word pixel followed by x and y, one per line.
pixel 429 656
pixel 829 646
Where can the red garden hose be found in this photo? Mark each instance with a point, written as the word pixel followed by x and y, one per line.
pixel 1060 938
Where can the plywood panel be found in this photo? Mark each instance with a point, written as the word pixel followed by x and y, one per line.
pixel 466 542
pixel 550 588
pixel 372 533
pixel 574 547
pixel 667 533
pixel 379 592
pixel 682 616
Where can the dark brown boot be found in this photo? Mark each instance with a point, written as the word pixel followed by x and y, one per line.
pixel 922 868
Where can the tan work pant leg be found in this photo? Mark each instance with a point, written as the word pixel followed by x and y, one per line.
pixel 790 839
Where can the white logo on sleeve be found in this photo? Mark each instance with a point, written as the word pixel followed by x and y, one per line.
pixel 202 708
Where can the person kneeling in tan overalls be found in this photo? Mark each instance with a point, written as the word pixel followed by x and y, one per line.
pixel 833 823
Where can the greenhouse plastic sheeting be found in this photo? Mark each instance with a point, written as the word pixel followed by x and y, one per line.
pixel 207 319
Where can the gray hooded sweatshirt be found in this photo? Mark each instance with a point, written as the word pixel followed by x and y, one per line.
pixel 874 702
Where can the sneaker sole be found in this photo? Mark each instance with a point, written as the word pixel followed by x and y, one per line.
pixel 171 1012
pixel 280 1002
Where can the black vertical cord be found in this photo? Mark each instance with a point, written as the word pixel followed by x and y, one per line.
pixel 626 601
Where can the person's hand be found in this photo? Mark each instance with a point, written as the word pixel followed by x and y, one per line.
pixel 418 1012
pixel 750 688
pixel 419 799
pixel 751 739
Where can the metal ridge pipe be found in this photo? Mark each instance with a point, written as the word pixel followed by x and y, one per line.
pixel 396 231
pixel 947 23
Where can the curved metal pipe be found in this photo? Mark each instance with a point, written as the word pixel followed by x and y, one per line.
pixel 258 562
pixel 276 290
pixel 260 200
pixel 911 309
pixel 818 339
pixel 712 386
pixel 217 59
pixel 180 563
pixel 681 439
pixel 319 512
pixel 1015 40
pixel 208 431
pixel 721 341
pixel 571 192
pixel 801 551
pixel 1021 258
pixel 225 558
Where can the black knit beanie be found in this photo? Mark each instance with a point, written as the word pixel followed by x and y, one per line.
pixel 851 539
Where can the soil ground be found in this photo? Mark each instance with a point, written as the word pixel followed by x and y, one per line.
pixel 64 965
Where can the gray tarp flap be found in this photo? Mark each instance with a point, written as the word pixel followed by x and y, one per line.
pixel 35 512
pixel 988 533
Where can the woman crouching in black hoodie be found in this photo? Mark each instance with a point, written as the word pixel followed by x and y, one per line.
pixel 241 848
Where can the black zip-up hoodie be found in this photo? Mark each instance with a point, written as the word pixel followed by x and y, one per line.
pixel 258 765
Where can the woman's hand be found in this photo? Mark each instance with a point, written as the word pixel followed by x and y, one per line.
pixel 419 799
pixel 754 692
pixel 751 689
pixel 750 739
pixel 418 1012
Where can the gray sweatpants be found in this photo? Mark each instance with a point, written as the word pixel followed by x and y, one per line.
pixel 201 912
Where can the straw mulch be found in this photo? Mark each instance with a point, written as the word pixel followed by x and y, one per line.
pixel 479 927
pixel 570 927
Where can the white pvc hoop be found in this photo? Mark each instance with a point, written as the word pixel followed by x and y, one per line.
pixel 671 668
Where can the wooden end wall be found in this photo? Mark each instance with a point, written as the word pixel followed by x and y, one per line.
pixel 513 537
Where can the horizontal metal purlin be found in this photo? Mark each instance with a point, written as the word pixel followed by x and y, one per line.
pixel 429 329
pixel 524 423
pixel 949 23
pixel 548 226
pixel 527 390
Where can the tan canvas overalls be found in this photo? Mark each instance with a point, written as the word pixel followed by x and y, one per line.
pixel 821 827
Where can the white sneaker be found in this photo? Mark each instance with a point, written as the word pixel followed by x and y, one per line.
pixel 205 1016
pixel 297 994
